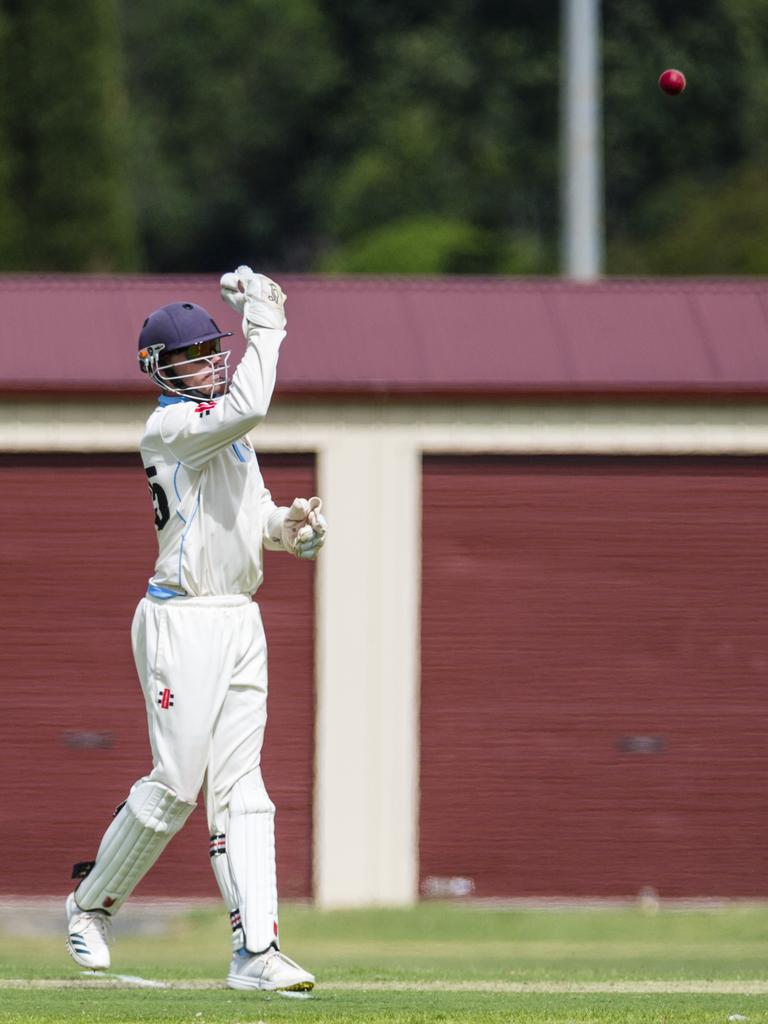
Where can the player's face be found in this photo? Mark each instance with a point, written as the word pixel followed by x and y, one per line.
pixel 203 367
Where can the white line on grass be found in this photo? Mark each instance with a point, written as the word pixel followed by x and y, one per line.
pixel 640 987
pixel 575 987
pixel 132 980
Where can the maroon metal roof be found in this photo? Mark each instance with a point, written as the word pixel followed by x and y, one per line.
pixel 440 336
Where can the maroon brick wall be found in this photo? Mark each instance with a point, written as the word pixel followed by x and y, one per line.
pixel 76 549
pixel 595 676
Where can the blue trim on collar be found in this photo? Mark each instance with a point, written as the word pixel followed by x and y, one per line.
pixel 173 399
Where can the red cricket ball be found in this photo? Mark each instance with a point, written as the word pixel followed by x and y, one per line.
pixel 672 81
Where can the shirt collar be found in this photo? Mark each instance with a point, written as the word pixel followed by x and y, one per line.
pixel 173 399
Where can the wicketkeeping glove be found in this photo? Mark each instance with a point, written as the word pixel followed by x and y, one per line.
pixel 304 528
pixel 259 300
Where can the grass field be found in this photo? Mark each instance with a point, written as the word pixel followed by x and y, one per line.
pixel 432 965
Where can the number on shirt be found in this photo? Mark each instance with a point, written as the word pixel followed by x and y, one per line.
pixel 159 499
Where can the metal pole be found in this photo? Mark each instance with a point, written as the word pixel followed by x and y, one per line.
pixel 581 141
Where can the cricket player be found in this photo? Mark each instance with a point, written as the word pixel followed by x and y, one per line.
pixel 197 635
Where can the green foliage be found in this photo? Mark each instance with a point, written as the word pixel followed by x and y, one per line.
pixel 65 128
pixel 403 136
pixel 454 120
pixel 227 102
pixel 417 245
pixel 674 166
pixel 10 226
pixel 712 228
pixel 436 245
pixel 291 134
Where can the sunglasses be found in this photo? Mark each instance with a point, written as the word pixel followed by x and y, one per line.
pixel 203 348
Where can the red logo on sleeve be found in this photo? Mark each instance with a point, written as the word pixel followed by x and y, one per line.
pixel 204 409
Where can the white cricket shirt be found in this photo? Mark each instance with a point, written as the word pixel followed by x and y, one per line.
pixel 212 509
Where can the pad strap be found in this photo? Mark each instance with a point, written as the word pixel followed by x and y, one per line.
pixel 227 887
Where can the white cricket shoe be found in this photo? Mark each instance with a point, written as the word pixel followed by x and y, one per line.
pixel 268 971
pixel 90 932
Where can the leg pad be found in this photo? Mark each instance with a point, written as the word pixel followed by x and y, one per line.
pixel 150 817
pixel 251 856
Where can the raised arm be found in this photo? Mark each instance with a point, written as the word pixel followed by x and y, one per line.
pixel 196 431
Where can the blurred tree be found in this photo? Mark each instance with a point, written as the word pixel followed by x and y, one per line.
pixel 715 228
pixel 10 227
pixel 285 133
pixel 404 136
pixel 453 116
pixel 416 245
pixel 750 21
pixel 65 125
pixel 672 163
pixel 228 109
pixel 436 245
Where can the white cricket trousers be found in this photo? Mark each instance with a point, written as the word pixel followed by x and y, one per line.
pixel 202 662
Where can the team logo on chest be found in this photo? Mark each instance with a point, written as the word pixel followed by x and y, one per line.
pixel 204 409
pixel 165 698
